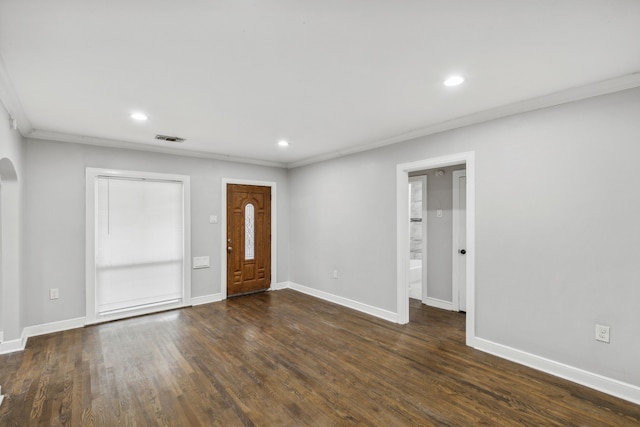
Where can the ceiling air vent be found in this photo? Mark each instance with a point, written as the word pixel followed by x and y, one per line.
pixel 169 138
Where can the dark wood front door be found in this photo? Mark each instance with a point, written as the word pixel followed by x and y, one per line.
pixel 248 239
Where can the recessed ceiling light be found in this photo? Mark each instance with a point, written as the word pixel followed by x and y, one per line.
pixel 139 116
pixel 454 81
pixel 283 143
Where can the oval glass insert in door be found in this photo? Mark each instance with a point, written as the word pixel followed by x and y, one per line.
pixel 249 232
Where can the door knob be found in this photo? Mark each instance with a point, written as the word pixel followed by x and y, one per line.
pixel 462 251
pixel 229 248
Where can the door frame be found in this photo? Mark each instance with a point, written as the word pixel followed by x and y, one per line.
pixel 455 258
pixel 402 233
pixel 223 230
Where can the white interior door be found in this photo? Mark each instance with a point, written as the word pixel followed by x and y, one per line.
pixel 459 240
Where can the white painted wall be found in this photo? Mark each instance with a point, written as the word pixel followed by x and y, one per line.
pixel 556 228
pixel 11 157
pixel 55 219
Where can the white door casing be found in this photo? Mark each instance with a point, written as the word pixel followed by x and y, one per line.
pixel 402 233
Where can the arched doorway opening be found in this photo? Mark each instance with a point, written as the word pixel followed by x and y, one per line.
pixel 9 255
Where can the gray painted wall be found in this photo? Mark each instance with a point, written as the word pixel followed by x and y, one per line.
pixel 556 228
pixel 341 219
pixel 12 156
pixel 55 218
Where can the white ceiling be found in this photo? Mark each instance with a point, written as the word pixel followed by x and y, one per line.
pixel 330 76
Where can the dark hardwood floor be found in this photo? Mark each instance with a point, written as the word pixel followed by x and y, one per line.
pixel 283 358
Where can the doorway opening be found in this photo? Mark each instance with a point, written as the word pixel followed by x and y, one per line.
pixel 437 238
pixel 465 161
pixel 9 256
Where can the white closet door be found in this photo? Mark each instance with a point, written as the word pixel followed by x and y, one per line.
pixel 139 243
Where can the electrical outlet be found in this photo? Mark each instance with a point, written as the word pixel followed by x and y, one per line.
pixel 54 293
pixel 602 333
pixel 335 274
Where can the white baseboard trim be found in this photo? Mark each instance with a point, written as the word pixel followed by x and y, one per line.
pixel 49 328
pixel 598 382
pixel 439 303
pixel 12 346
pixel 280 286
pixel 206 299
pixel 364 308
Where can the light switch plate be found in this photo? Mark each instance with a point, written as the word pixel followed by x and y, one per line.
pixel 201 262
pixel 213 219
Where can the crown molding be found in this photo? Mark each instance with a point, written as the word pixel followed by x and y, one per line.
pixel 112 143
pixel 9 97
pixel 628 81
pixel 12 103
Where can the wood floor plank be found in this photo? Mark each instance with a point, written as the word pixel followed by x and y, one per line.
pixel 285 359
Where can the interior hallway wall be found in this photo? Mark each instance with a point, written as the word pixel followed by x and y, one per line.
pixel 556 228
pixel 55 218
